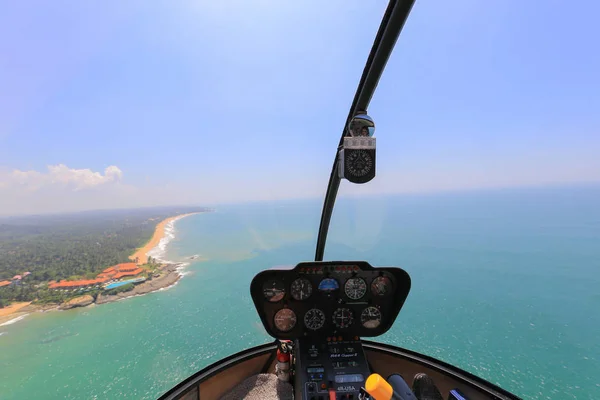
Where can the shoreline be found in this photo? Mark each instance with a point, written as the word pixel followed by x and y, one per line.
pixel 169 276
pixel 13 308
pixel 11 318
pixel 160 233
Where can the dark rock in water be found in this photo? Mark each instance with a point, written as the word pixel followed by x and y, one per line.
pixel 56 338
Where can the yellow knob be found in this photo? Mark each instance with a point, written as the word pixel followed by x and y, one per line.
pixel 378 387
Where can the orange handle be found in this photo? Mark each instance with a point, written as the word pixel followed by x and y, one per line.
pixel 378 387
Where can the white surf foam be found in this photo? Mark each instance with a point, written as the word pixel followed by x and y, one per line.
pixel 14 320
pixel 160 250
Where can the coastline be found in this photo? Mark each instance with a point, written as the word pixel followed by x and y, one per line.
pixel 166 280
pixel 18 315
pixel 13 308
pixel 169 276
pixel 160 234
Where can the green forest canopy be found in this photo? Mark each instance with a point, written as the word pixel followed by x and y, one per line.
pixel 54 247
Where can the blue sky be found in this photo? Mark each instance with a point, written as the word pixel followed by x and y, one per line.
pixel 202 102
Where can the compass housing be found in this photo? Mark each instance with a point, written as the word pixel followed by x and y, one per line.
pixel 357 159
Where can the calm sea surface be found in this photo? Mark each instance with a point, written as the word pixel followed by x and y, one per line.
pixel 505 284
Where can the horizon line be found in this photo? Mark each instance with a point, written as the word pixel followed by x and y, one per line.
pixel 213 206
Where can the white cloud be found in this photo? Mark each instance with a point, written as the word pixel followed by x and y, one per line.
pixel 63 189
pixel 61 175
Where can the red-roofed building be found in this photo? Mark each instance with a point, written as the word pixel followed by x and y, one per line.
pixel 26 274
pixel 129 273
pixel 126 267
pixel 116 272
pixel 5 283
pixel 75 284
pixel 17 278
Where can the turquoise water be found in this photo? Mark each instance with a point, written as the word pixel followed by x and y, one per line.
pixel 505 284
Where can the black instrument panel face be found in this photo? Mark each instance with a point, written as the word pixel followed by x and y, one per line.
pixel 320 299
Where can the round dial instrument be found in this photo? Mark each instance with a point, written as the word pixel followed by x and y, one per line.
pixel 381 286
pixel 342 318
pixel 370 318
pixel 285 320
pixel 301 289
pixel 314 319
pixel 359 162
pixel 273 290
pixel 355 288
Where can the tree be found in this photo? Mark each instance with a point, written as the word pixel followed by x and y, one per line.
pixel 72 246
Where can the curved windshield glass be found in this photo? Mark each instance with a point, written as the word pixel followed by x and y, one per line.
pixel 155 157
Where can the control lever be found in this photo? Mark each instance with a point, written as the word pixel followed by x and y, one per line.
pixel 395 388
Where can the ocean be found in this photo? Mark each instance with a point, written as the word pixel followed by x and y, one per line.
pixel 505 284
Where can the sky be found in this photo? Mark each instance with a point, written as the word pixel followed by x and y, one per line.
pixel 111 104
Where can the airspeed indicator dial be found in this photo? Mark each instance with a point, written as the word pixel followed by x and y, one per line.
pixel 355 288
pixel 301 289
pixel 314 319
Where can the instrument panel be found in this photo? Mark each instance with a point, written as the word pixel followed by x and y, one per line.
pixel 349 298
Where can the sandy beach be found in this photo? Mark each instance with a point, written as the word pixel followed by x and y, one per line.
pixel 13 311
pixel 13 308
pixel 168 277
pixel 159 233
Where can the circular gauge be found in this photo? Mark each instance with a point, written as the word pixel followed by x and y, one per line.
pixel 342 317
pixel 328 285
pixel 273 290
pixel 355 288
pixel 301 289
pixel 314 319
pixel 370 317
pixel 359 163
pixel 381 286
pixel 285 320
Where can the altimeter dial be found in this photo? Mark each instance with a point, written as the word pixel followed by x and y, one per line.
pixel 314 319
pixel 359 162
pixel 355 288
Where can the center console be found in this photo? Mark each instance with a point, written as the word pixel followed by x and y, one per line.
pixel 336 364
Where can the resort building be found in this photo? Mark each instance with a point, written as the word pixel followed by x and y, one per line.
pixel 76 284
pixel 108 275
